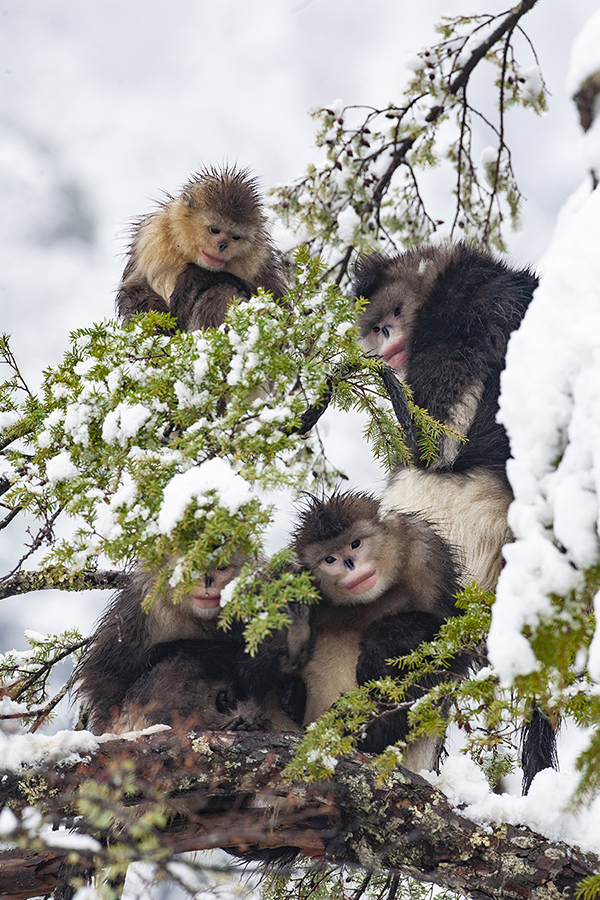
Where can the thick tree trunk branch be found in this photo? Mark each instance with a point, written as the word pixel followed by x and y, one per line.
pixel 235 797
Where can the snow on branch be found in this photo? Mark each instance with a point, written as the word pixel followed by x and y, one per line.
pixel 230 792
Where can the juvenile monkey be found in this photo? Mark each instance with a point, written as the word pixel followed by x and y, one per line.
pixel 441 318
pixel 387 583
pixel 200 249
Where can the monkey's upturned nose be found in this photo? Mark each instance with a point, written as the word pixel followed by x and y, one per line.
pixel 223 245
pixel 207 581
pixel 349 563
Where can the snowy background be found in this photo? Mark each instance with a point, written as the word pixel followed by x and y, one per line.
pixel 106 105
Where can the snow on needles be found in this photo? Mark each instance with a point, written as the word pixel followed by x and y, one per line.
pixel 214 475
pixel 550 406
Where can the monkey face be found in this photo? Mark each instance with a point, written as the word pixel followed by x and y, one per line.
pixel 205 599
pixel 396 289
pixel 355 572
pixel 220 245
pixel 387 338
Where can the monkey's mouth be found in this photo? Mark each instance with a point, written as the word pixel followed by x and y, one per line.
pixel 212 260
pixel 204 602
pixel 395 356
pixel 363 583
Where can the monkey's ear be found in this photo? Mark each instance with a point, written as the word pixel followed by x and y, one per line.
pixel 188 199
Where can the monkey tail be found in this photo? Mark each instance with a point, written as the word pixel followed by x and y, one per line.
pixel 538 746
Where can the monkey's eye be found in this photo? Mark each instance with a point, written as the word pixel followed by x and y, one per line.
pixel 330 560
pixel 214 230
pixel 376 329
pixel 222 568
pixel 397 312
pixel 236 237
pixel 356 544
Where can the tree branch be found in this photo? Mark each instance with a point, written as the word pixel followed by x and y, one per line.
pixel 25 582
pixel 233 795
pixel 508 24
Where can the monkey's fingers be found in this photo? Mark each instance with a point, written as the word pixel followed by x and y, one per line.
pixel 313 413
pixel 396 395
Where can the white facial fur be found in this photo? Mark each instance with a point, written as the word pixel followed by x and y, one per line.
pixel 388 340
pixel 351 573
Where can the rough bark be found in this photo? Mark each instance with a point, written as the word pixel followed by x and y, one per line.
pixel 232 790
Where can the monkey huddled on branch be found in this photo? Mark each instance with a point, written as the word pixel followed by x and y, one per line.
pixel 441 318
pixel 173 665
pixel 198 250
pixel 387 582
pixel 127 679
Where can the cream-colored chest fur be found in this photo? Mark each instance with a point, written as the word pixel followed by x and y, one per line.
pixel 331 670
pixel 468 509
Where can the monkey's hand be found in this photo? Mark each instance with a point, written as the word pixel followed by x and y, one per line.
pixel 299 638
pixel 138 298
pixel 200 297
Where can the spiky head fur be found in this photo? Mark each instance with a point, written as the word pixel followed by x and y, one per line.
pixel 231 194
pixel 165 241
pixel 325 524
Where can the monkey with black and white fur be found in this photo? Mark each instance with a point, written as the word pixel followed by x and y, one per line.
pixel 198 250
pixel 441 318
pixel 387 583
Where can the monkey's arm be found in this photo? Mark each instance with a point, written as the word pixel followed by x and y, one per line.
pixel 390 637
pixel 385 639
pixel 138 298
pixel 200 297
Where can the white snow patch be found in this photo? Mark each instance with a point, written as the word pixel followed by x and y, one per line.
pixel 124 422
pixel 61 468
pixel 554 432
pixel 68 840
pixel 337 107
pixel 8 822
pixel 347 222
pixel 585 59
pixel 17 751
pixel 216 475
pixel 7 419
pixel 547 808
